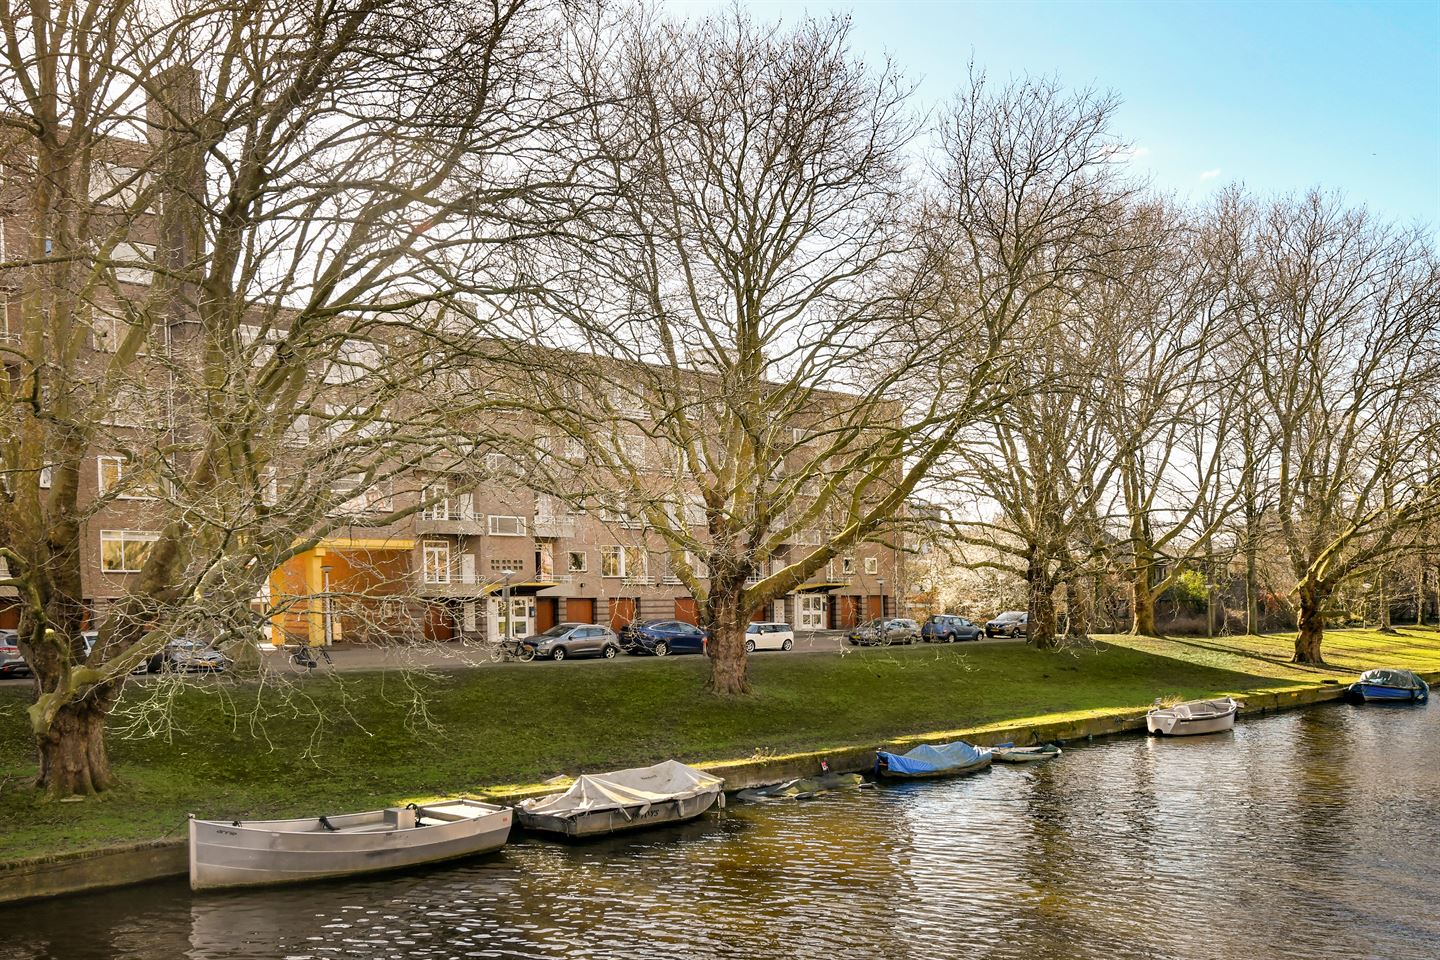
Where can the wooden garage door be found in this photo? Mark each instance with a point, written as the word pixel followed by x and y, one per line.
pixel 546 613
pixel 580 610
pixel 687 609
pixel 622 611
pixel 849 611
pixel 877 606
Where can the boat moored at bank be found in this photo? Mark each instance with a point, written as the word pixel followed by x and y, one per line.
pixel 1193 717
pixel 1389 686
pixel 254 853
pixel 599 804
pixel 933 760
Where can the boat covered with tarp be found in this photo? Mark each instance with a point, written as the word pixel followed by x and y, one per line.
pixel 1390 685
pixel 933 760
pixel 603 803
pixel 1193 717
pixel 253 853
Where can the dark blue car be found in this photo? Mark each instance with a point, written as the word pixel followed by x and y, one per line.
pixel 947 628
pixel 662 637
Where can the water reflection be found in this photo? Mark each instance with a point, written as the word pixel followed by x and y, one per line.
pixel 1303 834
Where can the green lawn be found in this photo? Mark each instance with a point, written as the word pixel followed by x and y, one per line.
pixel 356 741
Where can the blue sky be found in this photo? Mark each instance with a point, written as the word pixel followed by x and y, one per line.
pixel 1278 96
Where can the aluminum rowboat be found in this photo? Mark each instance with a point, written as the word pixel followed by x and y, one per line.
pixel 1193 717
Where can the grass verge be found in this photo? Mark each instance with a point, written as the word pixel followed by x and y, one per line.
pixel 354 741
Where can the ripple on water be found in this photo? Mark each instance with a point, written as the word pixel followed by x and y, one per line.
pixel 1302 834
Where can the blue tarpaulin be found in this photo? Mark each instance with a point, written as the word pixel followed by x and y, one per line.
pixel 929 760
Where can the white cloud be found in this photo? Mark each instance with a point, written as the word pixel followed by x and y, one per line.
pixel 1126 154
pixel 1210 174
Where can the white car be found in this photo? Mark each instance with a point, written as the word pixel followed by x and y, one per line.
pixel 768 636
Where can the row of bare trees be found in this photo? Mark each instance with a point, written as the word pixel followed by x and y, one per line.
pixel 284 259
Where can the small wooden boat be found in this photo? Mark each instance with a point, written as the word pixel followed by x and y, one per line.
pixel 804 788
pixel 1389 686
pixel 1193 717
pixel 1009 753
pixel 598 804
pixel 942 760
pixel 251 853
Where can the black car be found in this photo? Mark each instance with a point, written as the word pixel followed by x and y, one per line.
pixel 947 628
pixel 1012 623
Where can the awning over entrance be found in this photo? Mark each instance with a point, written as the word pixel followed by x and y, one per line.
pixel 820 587
pixel 527 589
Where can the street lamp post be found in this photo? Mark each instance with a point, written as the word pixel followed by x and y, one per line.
pixel 327 611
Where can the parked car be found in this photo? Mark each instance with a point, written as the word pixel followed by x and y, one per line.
pixel 185 654
pixel 947 628
pixel 11 663
pixel 768 636
pixel 662 637
pixel 1011 623
pixel 884 631
pixel 566 640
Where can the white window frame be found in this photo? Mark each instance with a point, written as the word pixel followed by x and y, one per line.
pixel 47 476
pixel 124 538
pixel 129 250
pixel 5 332
pixel 435 560
pixel 872 565
pixel 122 468
pixel 496 522
pixel 570 556
pixel 626 560
pixel 121 184
pixel 847 566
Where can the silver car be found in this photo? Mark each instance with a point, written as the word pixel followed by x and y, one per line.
pixel 883 631
pixel 11 663
pixel 566 640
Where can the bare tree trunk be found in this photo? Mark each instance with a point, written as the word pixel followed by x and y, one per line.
pixel 1252 588
pixel 72 753
pixel 726 620
pixel 1311 623
pixel 1079 604
pixel 1142 618
pixel 1040 630
pixel 1420 593
pixel 1384 598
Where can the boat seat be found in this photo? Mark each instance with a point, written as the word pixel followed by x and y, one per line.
pixel 440 813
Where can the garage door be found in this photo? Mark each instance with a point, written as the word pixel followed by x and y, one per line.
pixel 622 611
pixel 580 610
pixel 877 607
pixel 687 609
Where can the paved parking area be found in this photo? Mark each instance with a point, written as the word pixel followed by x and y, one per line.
pixel 463 656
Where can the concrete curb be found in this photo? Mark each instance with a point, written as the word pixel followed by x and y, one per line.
pixel 39 877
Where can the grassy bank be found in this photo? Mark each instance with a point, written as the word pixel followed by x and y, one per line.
pixel 354 742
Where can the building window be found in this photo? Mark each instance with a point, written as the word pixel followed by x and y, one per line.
pixel 117 186
pixel 630 563
pixel 507 526
pixel 872 565
pixel 437 561
pixel 125 551
pixel 847 566
pixel 119 478
pixel 697 566
pixel 7 332
pixel 354 360
pixel 577 562
pixel 47 477
pixel 133 262
pixel 355 496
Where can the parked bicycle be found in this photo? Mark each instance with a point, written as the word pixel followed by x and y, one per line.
pixel 506 649
pixel 302 657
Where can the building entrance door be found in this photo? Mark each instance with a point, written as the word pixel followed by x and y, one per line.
pixel 812 611
pixel 514 620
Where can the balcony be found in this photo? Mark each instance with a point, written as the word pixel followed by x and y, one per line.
pixel 449 520
pixel 553 528
pixel 455 582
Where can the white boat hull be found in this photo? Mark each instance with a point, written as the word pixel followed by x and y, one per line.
pixel 265 853
pixel 1193 718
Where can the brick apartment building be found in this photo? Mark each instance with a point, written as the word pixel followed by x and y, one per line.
pixel 494 558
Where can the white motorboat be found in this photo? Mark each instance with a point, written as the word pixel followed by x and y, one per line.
pixel 598 804
pixel 248 853
pixel 1193 717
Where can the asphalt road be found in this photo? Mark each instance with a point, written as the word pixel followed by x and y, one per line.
pixel 461 656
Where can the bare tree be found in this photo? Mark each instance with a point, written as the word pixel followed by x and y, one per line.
pixel 1033 187
pixel 243 233
pixel 1342 320
pixel 745 305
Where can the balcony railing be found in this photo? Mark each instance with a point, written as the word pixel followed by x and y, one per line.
pixel 554 527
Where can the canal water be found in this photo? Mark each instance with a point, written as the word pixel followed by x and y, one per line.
pixel 1309 834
